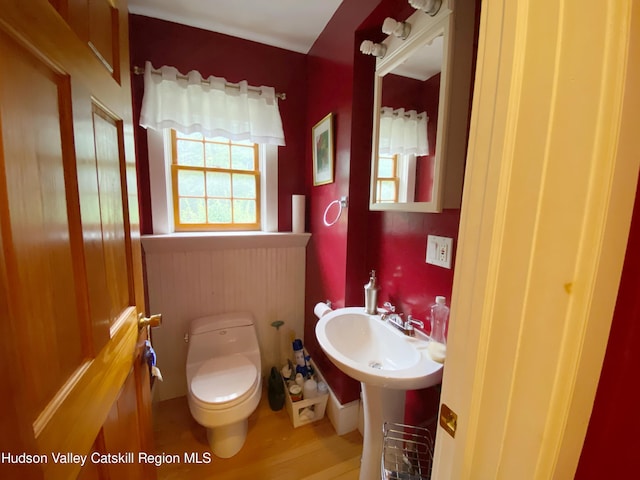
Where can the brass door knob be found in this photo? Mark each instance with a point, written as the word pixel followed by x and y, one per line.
pixel 152 321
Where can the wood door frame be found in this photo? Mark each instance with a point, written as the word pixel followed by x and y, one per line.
pixel 541 242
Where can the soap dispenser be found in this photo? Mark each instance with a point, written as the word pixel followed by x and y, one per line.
pixel 371 295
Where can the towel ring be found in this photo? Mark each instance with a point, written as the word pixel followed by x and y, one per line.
pixel 342 203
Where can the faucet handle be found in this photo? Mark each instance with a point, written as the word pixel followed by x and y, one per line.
pixel 389 307
pixel 413 321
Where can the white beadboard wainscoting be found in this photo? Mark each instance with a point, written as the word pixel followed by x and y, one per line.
pixel 193 275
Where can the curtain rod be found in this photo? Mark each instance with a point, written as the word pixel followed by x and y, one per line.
pixel 407 114
pixel 140 71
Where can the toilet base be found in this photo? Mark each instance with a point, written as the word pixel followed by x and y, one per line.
pixel 227 440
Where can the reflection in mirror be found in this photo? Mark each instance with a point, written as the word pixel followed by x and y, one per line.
pixel 409 98
pixel 402 141
pixel 416 132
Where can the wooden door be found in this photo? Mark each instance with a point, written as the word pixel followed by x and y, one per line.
pixel 73 375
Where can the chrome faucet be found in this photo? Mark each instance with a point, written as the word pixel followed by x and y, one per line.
pixel 408 326
pixel 390 315
pixel 395 319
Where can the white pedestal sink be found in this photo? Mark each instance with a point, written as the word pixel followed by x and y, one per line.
pixel 385 361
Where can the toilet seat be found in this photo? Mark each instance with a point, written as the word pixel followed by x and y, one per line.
pixel 222 382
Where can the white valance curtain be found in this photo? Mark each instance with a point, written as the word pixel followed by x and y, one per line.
pixel 189 104
pixel 403 132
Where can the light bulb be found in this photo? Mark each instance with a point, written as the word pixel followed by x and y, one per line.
pixel 376 49
pixel 431 7
pixel 393 27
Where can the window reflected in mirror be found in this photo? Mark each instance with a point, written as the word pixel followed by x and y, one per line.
pixel 387 181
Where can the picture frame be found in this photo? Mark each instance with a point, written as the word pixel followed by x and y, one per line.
pixel 323 150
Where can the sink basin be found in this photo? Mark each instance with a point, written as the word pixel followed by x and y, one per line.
pixel 376 353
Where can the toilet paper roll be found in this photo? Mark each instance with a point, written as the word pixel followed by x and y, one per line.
pixel 321 309
pixel 297 213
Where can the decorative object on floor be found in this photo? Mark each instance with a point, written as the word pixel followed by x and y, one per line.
pixel 407 452
pixel 276 390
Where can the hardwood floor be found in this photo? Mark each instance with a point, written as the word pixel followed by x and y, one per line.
pixel 273 450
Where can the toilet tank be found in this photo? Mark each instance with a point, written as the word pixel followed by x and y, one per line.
pixel 223 335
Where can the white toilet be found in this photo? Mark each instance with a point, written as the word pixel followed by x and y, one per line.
pixel 224 378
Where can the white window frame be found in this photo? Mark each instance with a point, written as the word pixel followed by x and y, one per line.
pixel 159 146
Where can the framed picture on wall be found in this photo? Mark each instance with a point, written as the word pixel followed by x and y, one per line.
pixel 322 134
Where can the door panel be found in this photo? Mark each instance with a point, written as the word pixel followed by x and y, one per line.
pixel 103 33
pixel 40 262
pixel 120 432
pixel 115 244
pixel 71 273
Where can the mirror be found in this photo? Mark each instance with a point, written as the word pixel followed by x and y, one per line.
pixel 421 113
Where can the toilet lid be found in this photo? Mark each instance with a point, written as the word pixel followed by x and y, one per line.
pixel 224 379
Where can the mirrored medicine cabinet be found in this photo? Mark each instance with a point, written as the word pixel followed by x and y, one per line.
pixel 421 112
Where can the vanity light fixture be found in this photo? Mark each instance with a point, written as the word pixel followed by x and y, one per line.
pixel 393 27
pixel 376 49
pixel 432 7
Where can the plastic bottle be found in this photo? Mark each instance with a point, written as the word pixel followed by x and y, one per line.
pixel 310 389
pixel 371 295
pixel 439 320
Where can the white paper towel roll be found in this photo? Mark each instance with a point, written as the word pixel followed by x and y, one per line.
pixel 321 309
pixel 297 213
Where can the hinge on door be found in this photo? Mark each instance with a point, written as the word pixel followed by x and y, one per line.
pixel 448 420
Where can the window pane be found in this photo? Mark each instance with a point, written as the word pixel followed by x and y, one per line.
pixel 219 210
pixel 190 184
pixel 387 191
pixel 217 155
pixel 386 167
pixel 189 153
pixel 218 184
pixel 243 158
pixel 244 186
pixel 192 136
pixel 244 211
pixel 192 210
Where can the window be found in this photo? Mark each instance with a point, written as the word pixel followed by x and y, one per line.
pixel 387 179
pixel 215 183
pixel 161 158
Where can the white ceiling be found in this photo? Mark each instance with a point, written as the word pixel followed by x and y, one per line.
pixel 289 24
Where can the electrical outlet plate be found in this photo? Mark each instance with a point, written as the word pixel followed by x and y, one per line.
pixel 439 250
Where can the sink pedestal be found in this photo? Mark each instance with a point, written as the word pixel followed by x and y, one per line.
pixel 380 405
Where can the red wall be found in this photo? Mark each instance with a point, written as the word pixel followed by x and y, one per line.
pixel 612 443
pixel 188 48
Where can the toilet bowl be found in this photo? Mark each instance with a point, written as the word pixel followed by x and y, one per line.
pixel 224 378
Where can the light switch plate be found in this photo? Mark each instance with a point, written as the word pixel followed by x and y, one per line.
pixel 439 250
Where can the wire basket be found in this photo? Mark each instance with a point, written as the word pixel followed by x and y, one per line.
pixel 407 452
